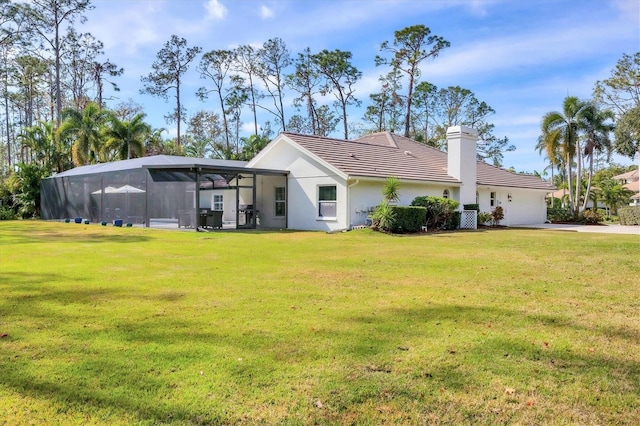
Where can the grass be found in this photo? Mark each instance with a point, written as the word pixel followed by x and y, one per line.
pixel 105 325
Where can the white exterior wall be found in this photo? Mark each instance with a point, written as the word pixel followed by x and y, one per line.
pixel 266 193
pixel 228 200
pixel 306 174
pixel 366 195
pixel 527 207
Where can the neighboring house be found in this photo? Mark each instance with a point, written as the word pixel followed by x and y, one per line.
pixel 631 182
pixel 563 196
pixel 335 184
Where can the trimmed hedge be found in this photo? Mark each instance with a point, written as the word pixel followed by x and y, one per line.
pixel 629 215
pixel 558 215
pixel 407 219
pixel 441 212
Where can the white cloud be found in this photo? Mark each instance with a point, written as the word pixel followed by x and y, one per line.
pixel 265 12
pixel 215 10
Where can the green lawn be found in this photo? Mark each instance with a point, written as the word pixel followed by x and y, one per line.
pixel 104 325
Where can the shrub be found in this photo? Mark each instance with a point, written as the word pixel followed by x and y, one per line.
pixel 497 215
pixel 629 215
pixel 391 189
pixel 383 218
pixel 441 212
pixel 408 219
pixel 454 221
pixel 558 215
pixel 593 216
pixel 484 218
pixel 7 213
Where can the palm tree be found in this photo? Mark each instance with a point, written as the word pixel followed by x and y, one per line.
pixel 613 194
pixel 126 138
pixel 597 127
pixel 44 147
pixel 85 129
pixel 560 135
pixel 554 157
pixel 154 145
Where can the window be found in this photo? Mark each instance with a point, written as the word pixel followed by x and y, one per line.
pixel 445 193
pixel 218 202
pixel 280 200
pixel 327 204
pixel 493 199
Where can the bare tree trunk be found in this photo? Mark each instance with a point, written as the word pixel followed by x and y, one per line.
pixel 56 50
pixel 6 113
pixel 178 115
pixel 578 178
pixel 407 120
pixel 586 195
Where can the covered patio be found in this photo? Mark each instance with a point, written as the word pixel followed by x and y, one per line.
pixel 170 192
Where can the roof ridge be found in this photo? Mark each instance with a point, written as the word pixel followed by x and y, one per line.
pixel 315 136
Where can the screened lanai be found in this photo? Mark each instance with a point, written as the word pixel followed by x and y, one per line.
pixel 169 192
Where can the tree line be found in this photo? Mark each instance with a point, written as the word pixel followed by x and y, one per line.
pixel 48 68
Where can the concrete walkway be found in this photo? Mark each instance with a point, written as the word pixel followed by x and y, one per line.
pixel 602 229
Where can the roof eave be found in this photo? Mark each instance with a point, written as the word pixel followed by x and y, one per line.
pixel 417 180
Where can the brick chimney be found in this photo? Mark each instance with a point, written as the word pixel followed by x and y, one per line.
pixel 461 160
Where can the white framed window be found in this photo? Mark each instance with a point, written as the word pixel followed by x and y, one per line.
pixel 492 199
pixel 280 201
pixel 445 193
pixel 218 202
pixel 327 201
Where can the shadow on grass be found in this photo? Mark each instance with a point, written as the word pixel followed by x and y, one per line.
pixel 77 397
pixel 382 333
pixel 364 347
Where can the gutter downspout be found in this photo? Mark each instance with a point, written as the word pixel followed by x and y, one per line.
pixel 349 221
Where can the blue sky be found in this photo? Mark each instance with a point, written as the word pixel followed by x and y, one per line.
pixel 522 57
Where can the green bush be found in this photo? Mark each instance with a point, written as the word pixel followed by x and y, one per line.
pixel 441 212
pixel 7 213
pixel 454 221
pixel 593 216
pixel 408 219
pixel 383 218
pixel 629 215
pixel 558 215
pixel 484 218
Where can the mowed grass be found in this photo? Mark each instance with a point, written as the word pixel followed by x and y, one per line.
pixel 106 325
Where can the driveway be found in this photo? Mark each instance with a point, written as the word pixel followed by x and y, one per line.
pixel 602 229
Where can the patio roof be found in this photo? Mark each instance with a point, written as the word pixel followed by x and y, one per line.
pixel 167 162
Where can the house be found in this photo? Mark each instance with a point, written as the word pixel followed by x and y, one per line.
pixel 631 182
pixel 335 184
pixel 296 182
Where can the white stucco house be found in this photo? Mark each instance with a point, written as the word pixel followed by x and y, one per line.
pixel 296 182
pixel 335 184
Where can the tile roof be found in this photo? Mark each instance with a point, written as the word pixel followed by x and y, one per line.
pixel 631 176
pixel 385 154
